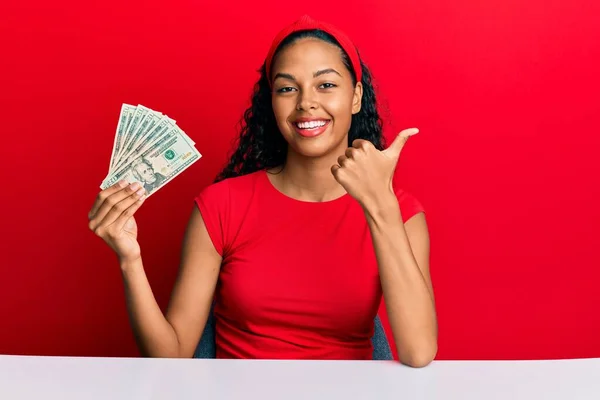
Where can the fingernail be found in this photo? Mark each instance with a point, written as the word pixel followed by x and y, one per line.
pixel 135 185
pixel 140 192
pixel 413 131
pixel 122 183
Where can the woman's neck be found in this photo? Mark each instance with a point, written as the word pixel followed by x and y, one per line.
pixel 308 178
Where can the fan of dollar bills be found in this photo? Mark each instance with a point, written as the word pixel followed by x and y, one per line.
pixel 149 148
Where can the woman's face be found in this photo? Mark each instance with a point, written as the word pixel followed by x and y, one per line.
pixel 313 97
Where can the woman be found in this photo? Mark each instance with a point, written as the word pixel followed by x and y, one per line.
pixel 302 232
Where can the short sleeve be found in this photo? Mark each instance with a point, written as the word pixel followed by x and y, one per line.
pixel 409 205
pixel 213 204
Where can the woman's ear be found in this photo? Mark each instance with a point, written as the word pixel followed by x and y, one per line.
pixel 357 98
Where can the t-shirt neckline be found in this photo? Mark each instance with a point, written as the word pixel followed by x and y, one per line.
pixel 267 182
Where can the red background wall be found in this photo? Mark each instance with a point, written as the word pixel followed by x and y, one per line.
pixel 505 94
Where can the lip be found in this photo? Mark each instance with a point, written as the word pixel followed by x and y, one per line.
pixel 309 133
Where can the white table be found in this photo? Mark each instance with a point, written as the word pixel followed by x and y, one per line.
pixel 66 378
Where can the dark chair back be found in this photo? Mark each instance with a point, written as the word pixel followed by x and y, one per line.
pixel 207 348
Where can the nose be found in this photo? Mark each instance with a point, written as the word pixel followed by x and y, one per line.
pixel 307 100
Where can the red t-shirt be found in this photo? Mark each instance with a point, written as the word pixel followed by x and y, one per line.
pixel 299 280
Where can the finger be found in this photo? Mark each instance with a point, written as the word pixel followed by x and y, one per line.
pixel 351 152
pixel 110 202
pixel 362 144
pixel 103 195
pixel 128 213
pixel 342 160
pixel 396 147
pixel 118 209
pixel 334 169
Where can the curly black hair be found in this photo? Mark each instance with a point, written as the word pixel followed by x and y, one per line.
pixel 261 145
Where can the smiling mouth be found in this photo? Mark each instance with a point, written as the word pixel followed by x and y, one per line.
pixel 311 128
pixel 311 124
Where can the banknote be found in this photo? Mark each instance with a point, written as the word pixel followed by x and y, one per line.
pixel 154 134
pixel 144 128
pixel 136 121
pixel 150 148
pixel 125 116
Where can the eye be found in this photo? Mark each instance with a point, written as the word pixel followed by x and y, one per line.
pixel 285 89
pixel 327 85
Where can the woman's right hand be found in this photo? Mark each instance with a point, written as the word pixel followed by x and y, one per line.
pixel 111 218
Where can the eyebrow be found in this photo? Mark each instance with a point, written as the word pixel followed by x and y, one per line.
pixel 326 71
pixel 316 74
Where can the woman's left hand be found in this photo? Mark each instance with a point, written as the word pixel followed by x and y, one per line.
pixel 365 172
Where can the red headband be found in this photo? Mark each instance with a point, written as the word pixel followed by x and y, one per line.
pixel 307 23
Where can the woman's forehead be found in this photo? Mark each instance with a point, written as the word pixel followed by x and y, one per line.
pixel 308 53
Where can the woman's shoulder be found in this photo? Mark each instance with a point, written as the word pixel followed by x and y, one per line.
pixel 235 186
pixel 410 205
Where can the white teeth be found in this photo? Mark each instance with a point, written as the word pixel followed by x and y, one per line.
pixel 310 124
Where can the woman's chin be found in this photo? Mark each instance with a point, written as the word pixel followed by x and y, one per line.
pixel 317 149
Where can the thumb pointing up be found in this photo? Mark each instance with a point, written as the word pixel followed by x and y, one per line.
pixel 394 149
